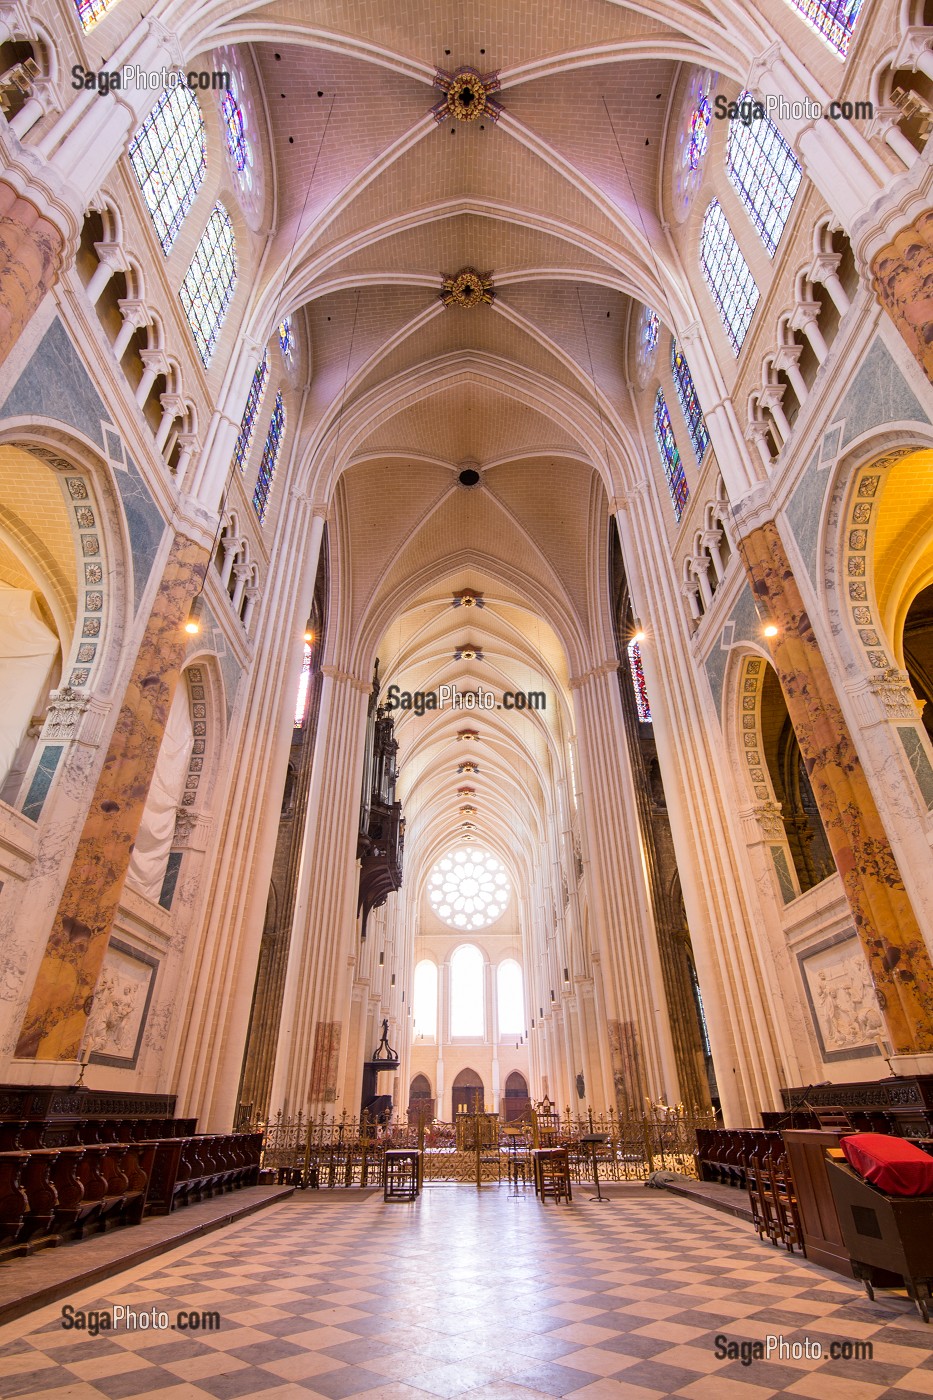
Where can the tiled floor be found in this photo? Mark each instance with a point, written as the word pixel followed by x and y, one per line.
pixel 479 1294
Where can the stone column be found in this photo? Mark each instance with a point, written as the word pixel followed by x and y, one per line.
pixel 884 919
pixel 639 1029
pixel 61 999
pixel 312 1045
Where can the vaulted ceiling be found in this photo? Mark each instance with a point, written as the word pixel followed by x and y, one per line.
pixel 560 200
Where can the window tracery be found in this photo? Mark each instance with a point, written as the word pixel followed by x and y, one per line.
pixel 244 442
pixel 833 20
pixel 168 159
pixel 646 346
pixel 270 459
pixel 210 282
pixel 727 274
pixel 468 889
pixel 689 403
pixel 670 456
pixel 692 146
pixel 765 173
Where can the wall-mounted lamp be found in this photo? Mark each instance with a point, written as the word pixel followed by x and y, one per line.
pixel 770 629
pixel 195 613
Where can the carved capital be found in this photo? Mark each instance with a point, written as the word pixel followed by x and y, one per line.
pixel 135 311
pixel 768 817
pixel 893 689
pixel 112 255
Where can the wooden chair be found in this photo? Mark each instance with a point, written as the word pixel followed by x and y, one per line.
pixel 552 1174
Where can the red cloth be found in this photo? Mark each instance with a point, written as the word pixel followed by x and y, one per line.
pixel 891 1163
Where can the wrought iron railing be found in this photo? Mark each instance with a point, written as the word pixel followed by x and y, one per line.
pixel 331 1151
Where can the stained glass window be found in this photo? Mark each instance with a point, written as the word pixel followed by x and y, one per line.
pixel 286 341
pixel 833 20
pixel 698 142
pixel 764 170
pixel 90 11
pixel 235 130
pixel 689 403
pixel 673 466
pixel 270 459
pixel 210 282
pixel 650 327
pixel 467 1002
pixel 510 998
pixel 469 888
pixel 244 443
pixel 638 683
pixel 728 275
pixel 424 999
pixel 304 681
pixel 167 156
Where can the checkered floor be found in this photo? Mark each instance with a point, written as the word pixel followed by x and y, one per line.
pixel 479 1294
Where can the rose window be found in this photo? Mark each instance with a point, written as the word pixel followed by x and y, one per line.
pixel 469 888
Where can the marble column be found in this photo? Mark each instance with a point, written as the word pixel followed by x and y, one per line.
pixel 31 255
pixel 902 279
pixel 884 919
pixel 63 993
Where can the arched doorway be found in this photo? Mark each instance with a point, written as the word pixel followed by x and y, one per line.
pixel 420 1100
pixel 516 1096
pixel 467 1095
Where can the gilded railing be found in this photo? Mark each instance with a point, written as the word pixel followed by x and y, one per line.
pixel 331 1151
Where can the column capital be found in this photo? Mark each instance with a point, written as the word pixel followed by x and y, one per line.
pixel 136 312
pixel 754 510
pixel 602 668
pixel 335 673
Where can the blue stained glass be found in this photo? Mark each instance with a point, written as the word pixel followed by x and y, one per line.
pixel 235 130
pixel 833 20
pixel 270 459
pixel 638 682
pixel 244 443
pixel 650 327
pixel 699 132
pixel 689 403
pixel 286 340
pixel 210 282
pixel 90 11
pixel 727 275
pixel 764 171
pixel 168 160
pixel 670 457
